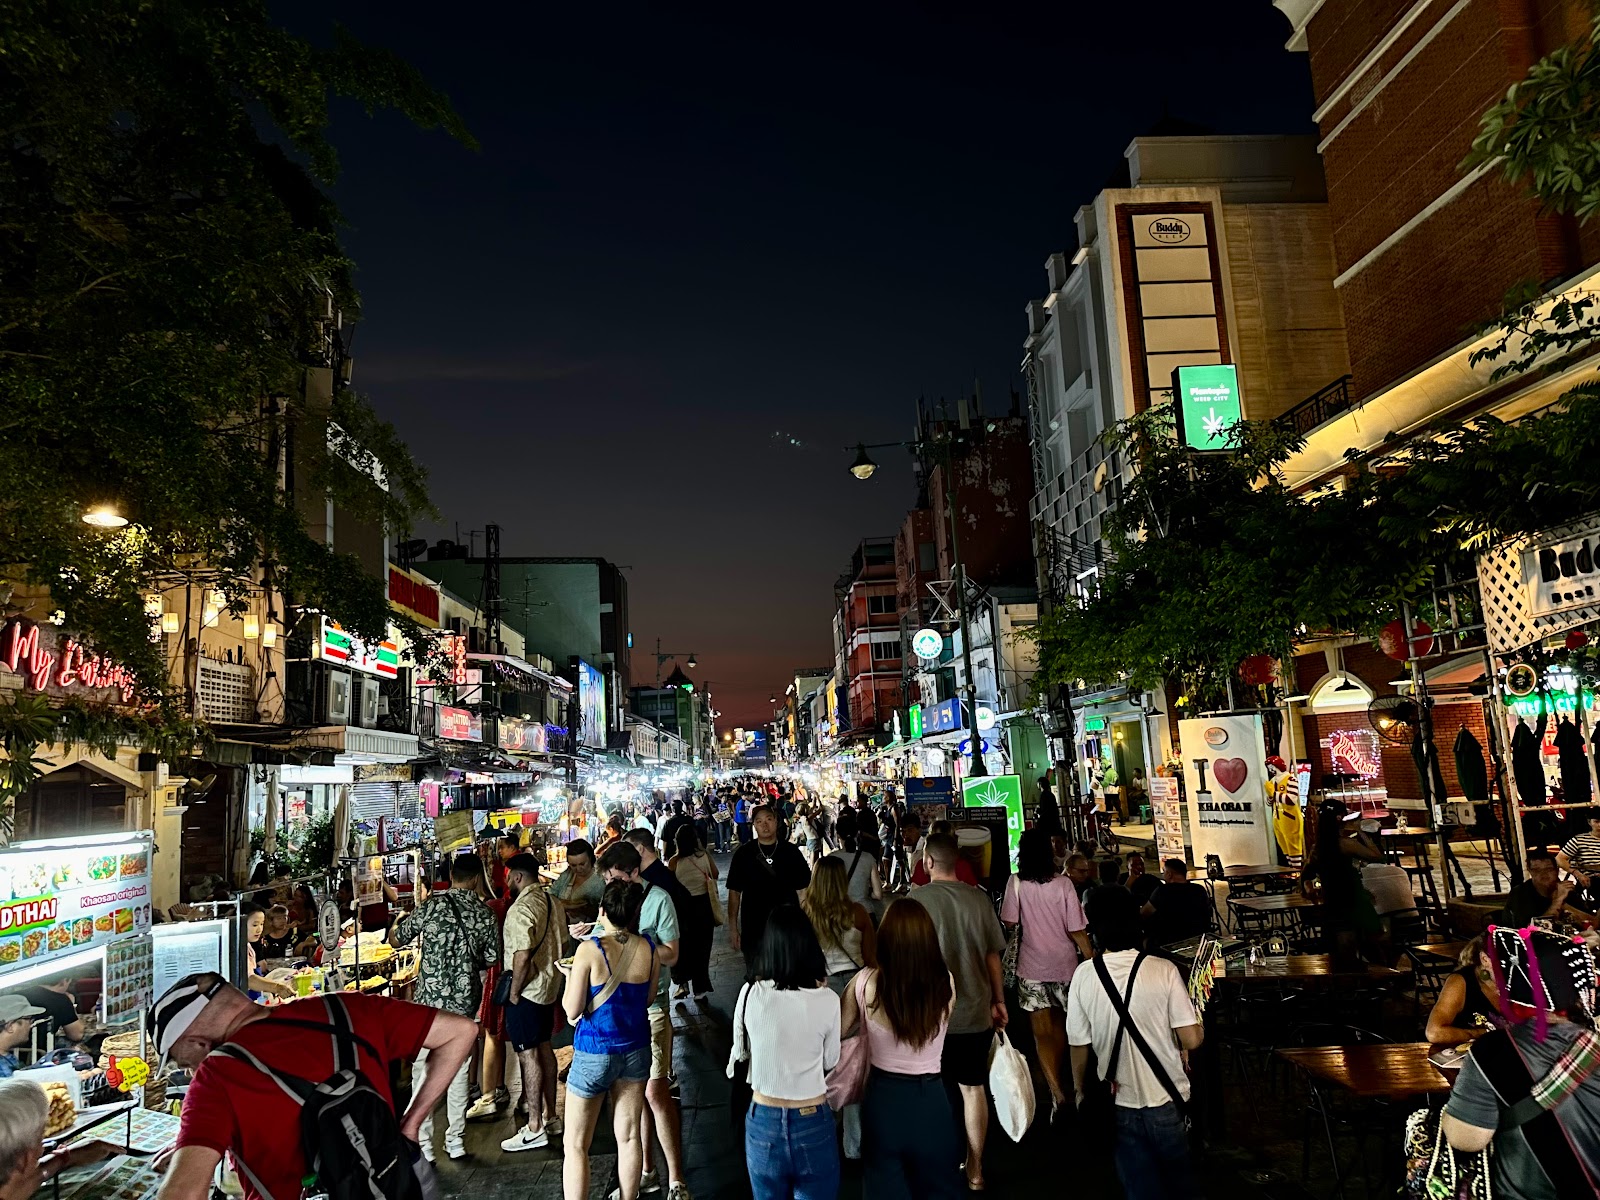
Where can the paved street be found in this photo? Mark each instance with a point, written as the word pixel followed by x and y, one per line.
pixel 716 1153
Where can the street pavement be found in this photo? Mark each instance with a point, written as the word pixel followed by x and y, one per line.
pixel 1049 1160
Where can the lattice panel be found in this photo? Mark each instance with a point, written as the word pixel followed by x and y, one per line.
pixel 227 691
pixel 1509 622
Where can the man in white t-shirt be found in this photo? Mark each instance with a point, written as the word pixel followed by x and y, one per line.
pixel 1152 1147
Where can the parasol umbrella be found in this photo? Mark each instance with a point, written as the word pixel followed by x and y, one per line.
pixel 269 842
pixel 341 824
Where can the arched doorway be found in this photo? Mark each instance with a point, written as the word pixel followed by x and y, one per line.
pixel 72 801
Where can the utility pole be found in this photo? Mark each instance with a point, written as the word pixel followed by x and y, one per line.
pixel 977 768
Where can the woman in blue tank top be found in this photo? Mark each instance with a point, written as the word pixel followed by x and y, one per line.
pixel 609 988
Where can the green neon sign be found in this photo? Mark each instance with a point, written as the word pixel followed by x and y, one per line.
pixel 1000 791
pixel 1206 402
pixel 914 721
pixel 1094 724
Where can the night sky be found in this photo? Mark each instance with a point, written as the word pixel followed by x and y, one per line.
pixel 696 235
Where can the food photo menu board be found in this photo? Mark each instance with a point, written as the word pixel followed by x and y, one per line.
pixel 61 897
pixel 129 970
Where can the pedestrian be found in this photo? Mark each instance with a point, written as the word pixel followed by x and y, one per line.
pixel 25 1166
pixel 579 887
pixel 494 1094
pixel 610 835
pixel 658 920
pixel 862 868
pixel 1049 809
pixel 507 846
pixel 696 873
pixel 1080 870
pixel 1349 919
pixel 786 1023
pixel 1546 987
pixel 972 943
pixel 532 948
pixel 764 874
pixel 1180 908
pixel 843 926
pixel 919 869
pixel 1053 941
pixel 721 821
pixel 234 1106
pixel 607 1002
pixel 908 851
pixel 1144 996
pixel 741 817
pixel 459 943
pixel 903 1007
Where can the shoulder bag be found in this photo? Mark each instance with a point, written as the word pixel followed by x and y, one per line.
pixel 502 985
pixel 847 1082
pixel 1008 960
pixel 615 981
pixel 1126 1024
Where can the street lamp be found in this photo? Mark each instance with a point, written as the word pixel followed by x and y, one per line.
pixel 663 656
pixel 863 469
pixel 104 516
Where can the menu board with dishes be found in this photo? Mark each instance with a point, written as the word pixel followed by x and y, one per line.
pixel 130 970
pixel 57 899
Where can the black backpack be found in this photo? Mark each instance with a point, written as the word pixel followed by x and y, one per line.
pixel 348 1131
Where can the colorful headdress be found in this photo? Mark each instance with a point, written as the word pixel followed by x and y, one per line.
pixel 1539 972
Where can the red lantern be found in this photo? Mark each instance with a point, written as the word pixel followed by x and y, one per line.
pixel 1577 640
pixel 1256 670
pixel 1392 640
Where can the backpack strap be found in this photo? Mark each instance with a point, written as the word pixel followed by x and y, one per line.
pixel 1127 1023
pixel 1506 1069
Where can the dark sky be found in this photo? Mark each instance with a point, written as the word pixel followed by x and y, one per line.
pixel 694 233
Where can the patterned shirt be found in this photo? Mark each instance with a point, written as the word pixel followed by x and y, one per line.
pixel 458 941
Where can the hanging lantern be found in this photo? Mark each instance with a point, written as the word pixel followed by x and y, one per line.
pixel 252 627
pixel 1257 669
pixel 269 636
pixel 1392 640
pixel 169 622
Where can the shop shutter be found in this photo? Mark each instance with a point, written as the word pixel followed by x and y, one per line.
pixel 368 800
pixel 410 801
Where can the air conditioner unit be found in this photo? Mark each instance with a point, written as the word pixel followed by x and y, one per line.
pixel 367 713
pixel 457 625
pixel 335 697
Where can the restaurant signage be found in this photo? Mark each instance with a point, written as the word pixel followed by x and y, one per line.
pixel 1224 775
pixel 415 596
pixel 336 645
pixel 460 725
pixel 1558 575
pixel 58 899
pixel 58 665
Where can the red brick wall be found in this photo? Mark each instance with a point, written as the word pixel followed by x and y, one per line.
pixel 1402 151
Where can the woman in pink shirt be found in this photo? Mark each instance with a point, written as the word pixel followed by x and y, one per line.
pixel 1053 943
pixel 903 1007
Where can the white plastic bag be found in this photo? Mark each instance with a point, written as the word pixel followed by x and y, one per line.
pixel 1012 1087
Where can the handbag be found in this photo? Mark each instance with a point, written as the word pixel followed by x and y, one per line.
pixel 502 985
pixel 1008 960
pixel 718 915
pixel 847 1082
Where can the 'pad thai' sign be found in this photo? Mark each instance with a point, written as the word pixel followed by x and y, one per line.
pixel 54 900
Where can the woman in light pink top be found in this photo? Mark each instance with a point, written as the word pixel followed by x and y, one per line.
pixel 908 1130
pixel 1053 943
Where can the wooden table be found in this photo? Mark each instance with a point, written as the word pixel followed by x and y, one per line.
pixel 1277 911
pixel 1385 1072
pixel 1304 968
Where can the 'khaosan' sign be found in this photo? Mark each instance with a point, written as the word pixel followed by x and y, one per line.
pixel 56 900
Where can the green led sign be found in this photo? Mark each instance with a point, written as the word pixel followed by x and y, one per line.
pixel 1094 724
pixel 914 722
pixel 1206 402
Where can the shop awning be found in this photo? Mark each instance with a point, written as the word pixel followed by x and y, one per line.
pixel 362 745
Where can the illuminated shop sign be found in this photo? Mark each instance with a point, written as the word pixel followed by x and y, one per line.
pixel 1206 401
pixel 335 645
pixel 57 665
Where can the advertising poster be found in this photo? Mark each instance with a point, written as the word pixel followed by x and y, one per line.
pixel 54 901
pixel 1167 811
pixel 930 797
pixel 998 791
pixel 1228 811
pixel 187 948
pixel 591 706
pixel 129 977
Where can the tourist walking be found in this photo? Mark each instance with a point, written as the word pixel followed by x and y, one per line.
pixel 843 926
pixel 532 948
pixel 972 943
pixel 459 943
pixel 902 1007
pixel 1144 997
pixel 696 872
pixel 862 867
pixel 607 1002
pixel 1042 907
pixel 763 875
pixel 786 1025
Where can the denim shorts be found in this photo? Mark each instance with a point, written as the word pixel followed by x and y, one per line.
pixel 592 1075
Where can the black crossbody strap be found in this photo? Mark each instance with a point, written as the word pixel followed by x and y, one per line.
pixel 1128 1024
pixel 1110 1073
pixel 1507 1071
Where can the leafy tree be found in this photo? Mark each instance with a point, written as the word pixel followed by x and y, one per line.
pixel 169 265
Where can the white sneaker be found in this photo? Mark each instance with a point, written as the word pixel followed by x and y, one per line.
pixel 523 1140
pixel 483 1109
pixel 650 1181
pixel 427 1152
pixel 456 1153
pixel 679 1191
pixel 552 1126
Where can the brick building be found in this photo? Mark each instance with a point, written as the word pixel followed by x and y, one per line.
pixel 868 632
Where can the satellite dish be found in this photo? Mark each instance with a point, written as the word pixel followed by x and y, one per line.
pixel 1101 474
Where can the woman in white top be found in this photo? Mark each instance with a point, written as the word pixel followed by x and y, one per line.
pixel 844 927
pixel 698 874
pixel 786 1023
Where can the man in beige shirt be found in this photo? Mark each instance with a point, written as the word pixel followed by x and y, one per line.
pixel 533 939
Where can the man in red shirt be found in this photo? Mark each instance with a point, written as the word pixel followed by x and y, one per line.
pixel 233 1106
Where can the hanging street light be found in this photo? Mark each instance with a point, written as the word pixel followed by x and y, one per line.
pixel 863 467
pixel 104 516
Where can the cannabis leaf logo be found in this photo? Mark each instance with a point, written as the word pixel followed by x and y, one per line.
pixel 1213 424
pixel 992 795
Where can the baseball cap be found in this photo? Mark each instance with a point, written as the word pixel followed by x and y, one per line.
pixel 14 1008
pixel 171 1016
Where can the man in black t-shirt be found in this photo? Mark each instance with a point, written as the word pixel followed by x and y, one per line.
pixel 55 997
pixel 1177 909
pixel 764 874
pixel 1139 881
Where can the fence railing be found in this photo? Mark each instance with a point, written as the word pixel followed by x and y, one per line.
pixel 1318 408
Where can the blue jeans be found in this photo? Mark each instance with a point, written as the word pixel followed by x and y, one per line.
pixel 1153 1154
pixel 719 833
pixel 791 1153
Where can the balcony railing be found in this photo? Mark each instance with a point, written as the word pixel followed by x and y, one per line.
pixel 1318 408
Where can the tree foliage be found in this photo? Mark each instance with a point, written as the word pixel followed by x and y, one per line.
pixel 168 265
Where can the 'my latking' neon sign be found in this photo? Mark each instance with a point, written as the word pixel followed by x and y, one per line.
pixel 27 649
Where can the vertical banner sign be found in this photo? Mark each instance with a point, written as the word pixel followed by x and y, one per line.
pixel 1166 810
pixel 1228 812
pixel 998 791
pixel 1206 402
